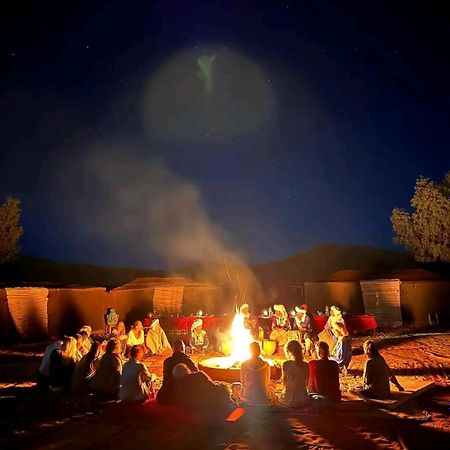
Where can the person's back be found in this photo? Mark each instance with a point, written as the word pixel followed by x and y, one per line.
pixel 165 394
pixel 255 376
pixel 107 378
pixel 324 375
pixel 295 377
pixel 198 393
pixel 376 377
pixel 62 364
pixel 135 378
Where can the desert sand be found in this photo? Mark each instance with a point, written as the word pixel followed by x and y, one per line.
pixel 30 419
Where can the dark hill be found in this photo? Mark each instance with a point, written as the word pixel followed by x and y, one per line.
pixel 320 262
pixel 316 264
pixel 29 270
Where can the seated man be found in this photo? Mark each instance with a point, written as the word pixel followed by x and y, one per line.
pixel 199 341
pixel 280 325
pixel 136 379
pixel 156 339
pixel 255 377
pixel 196 392
pixel 166 393
pixel 305 324
pixel 324 378
pixel 342 352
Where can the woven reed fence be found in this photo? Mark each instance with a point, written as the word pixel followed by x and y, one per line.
pixel 382 298
pixel 28 309
pixel 168 299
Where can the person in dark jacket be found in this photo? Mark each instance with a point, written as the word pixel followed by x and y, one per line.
pixel 324 390
pixel 197 392
pixel 166 394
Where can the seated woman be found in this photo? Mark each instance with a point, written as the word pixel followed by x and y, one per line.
pixel 342 352
pixel 305 324
pixel 196 392
pixel 255 377
pixel 107 378
pixel 43 374
pixel 62 365
pixel 136 379
pixel 324 390
pixel 85 369
pixel 280 325
pixel 377 374
pixel 199 341
pixel 120 332
pixel 295 377
pixel 86 331
pixel 156 340
pixel 136 337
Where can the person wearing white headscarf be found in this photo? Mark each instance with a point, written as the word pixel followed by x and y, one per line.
pixel 156 339
pixel 280 325
pixel 244 310
pixel 335 318
pixel 199 341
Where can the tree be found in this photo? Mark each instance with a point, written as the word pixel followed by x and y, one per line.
pixel 426 231
pixel 10 229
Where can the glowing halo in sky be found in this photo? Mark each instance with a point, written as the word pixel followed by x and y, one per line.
pixel 216 93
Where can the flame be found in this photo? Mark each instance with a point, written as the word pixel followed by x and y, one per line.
pixel 241 339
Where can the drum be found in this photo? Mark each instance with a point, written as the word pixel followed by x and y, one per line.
pixel 268 347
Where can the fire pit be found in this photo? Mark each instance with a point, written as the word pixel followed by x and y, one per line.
pixel 227 368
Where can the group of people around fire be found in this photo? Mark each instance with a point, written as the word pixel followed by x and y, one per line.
pixel 114 368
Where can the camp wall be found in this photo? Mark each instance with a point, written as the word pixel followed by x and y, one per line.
pixel 420 298
pixel 131 304
pixel 70 308
pixel 345 294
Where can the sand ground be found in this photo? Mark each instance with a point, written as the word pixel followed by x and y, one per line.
pixel 30 419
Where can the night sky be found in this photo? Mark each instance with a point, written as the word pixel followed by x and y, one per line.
pixel 313 124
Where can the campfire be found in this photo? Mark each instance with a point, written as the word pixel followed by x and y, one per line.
pixel 227 368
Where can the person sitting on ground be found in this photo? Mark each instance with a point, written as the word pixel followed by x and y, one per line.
pixel 377 374
pixel 62 365
pixel 342 351
pixel 107 378
pixel 255 330
pixel 244 310
pixel 324 378
pixel 199 341
pixel 120 332
pixel 295 376
pixel 166 393
pixel 197 392
pixel 136 337
pixel 85 369
pixel 305 324
pixel 85 343
pixel 255 377
pixel 280 325
pixel 43 374
pixel 156 340
pixel 136 379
